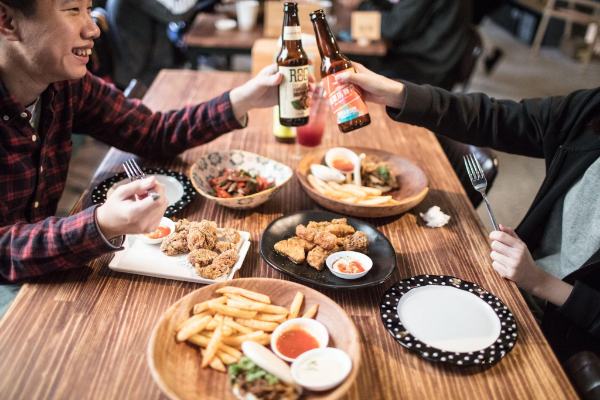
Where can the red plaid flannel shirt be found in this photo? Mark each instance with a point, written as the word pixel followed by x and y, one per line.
pixel 33 165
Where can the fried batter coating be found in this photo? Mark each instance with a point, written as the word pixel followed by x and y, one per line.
pixel 232 235
pixel 183 226
pixel 292 251
pixel 227 258
pixel 306 233
pixel 296 241
pixel 317 256
pixel 319 226
pixel 340 221
pixel 357 242
pixel 196 239
pixel 222 247
pixel 208 226
pixel 326 240
pixel 340 230
pixel 174 244
pixel 201 258
pixel 213 271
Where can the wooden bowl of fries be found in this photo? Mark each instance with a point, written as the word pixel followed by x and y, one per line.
pixel 206 322
pixel 360 201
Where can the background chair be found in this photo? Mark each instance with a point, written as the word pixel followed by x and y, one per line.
pixel 587 12
pixel 464 71
pixel 584 371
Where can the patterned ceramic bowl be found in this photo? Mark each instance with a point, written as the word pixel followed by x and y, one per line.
pixel 210 166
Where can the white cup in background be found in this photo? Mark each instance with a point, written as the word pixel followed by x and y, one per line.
pixel 326 5
pixel 247 14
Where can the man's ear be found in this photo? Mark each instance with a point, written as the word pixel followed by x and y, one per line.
pixel 8 28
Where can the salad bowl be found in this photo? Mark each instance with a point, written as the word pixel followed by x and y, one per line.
pixel 262 178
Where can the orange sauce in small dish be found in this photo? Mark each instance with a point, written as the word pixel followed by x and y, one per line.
pixel 295 341
pixel 353 267
pixel 161 232
pixel 343 164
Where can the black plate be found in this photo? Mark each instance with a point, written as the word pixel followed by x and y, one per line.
pixel 380 249
pixel 490 355
pixel 189 193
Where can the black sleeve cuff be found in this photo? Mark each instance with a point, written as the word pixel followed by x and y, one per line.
pixel 417 105
pixel 583 308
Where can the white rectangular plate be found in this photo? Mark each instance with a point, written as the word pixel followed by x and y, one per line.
pixel 147 259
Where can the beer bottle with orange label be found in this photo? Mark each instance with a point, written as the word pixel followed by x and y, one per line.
pixel 345 98
pixel 292 62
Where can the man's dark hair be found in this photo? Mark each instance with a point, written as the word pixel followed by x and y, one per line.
pixel 27 7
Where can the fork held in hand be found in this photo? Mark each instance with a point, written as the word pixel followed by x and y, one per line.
pixel 134 172
pixel 479 182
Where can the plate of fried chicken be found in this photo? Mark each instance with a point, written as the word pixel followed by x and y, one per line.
pixel 298 244
pixel 197 251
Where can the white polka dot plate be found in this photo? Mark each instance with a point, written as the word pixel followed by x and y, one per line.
pixel 446 319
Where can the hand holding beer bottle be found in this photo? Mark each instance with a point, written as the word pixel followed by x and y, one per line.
pixel 345 98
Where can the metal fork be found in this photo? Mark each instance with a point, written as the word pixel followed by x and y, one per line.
pixel 134 172
pixel 479 182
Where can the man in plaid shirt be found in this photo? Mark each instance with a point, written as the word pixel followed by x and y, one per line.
pixel 46 94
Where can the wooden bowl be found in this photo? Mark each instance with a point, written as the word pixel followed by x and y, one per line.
pixel 175 366
pixel 412 180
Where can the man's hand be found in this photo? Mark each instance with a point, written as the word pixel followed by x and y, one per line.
pixel 260 91
pixel 513 261
pixel 376 88
pixel 124 213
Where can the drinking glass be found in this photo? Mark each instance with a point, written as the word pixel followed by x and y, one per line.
pixel 310 135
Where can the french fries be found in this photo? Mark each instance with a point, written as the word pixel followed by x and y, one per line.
pixel 350 193
pixel 219 326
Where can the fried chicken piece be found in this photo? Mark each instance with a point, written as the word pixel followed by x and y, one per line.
pixel 222 247
pixel 357 242
pixel 340 242
pixel 227 258
pixel 201 258
pixel 340 230
pixel 183 226
pixel 232 235
pixel 306 233
pixel 340 221
pixel 319 226
pixel 213 271
pixel 196 239
pixel 174 244
pixel 294 252
pixel 325 240
pixel 208 226
pixel 296 241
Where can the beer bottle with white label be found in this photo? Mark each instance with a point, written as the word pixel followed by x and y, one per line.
pixel 345 98
pixel 292 62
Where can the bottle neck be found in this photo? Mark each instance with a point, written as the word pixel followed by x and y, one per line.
pixel 325 40
pixel 291 36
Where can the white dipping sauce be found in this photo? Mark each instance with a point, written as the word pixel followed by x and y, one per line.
pixel 321 370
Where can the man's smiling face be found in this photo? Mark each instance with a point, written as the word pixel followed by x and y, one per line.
pixel 56 41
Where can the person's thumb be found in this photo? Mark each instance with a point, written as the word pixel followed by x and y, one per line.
pixel 272 80
pixel 139 187
pixel 351 77
pixel 508 230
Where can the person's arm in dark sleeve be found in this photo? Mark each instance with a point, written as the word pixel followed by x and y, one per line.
pixel 398 21
pixel 29 250
pixel 583 308
pixel 104 113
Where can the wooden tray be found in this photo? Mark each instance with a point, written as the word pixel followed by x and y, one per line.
pixel 413 184
pixel 175 367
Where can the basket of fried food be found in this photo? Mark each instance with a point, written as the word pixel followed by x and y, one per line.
pixel 388 184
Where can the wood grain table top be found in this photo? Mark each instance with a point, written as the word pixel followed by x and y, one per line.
pixel 203 34
pixel 83 333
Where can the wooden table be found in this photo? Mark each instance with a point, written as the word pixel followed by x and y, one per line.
pixel 82 334
pixel 203 38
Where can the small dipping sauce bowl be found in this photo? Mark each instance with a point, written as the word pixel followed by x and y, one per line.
pixel 321 369
pixel 343 262
pixel 297 336
pixel 153 238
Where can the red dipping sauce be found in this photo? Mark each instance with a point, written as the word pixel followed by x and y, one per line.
pixel 295 341
pixel 161 232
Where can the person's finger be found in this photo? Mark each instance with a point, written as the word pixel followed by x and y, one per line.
pixel 500 268
pixel 508 230
pixel 311 61
pixel 504 238
pixel 160 188
pixel 271 80
pixel 311 77
pixel 361 68
pixel 139 187
pixel 362 80
pixel 504 249
pixel 268 70
pixel 501 258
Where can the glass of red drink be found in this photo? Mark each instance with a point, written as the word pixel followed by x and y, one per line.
pixel 310 135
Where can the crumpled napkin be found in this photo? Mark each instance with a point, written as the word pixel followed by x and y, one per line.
pixel 435 218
